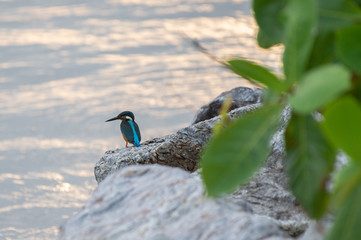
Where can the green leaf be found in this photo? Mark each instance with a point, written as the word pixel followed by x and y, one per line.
pixel 320 86
pixel 309 162
pixel 335 14
pixel 342 126
pixel 348 46
pixel 264 41
pixel 348 217
pixel 254 72
pixel 346 180
pixel 233 155
pixel 268 14
pixel 299 37
pixel 356 86
pixel 323 50
pixel 224 121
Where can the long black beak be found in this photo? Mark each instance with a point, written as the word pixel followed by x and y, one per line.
pixel 112 119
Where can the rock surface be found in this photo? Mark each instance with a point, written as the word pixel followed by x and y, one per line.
pixel 161 203
pixel 181 149
pixel 240 96
pixel 268 192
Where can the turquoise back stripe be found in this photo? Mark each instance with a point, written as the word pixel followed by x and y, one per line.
pixel 136 139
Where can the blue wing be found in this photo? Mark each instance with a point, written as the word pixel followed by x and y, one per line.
pixel 131 132
pixel 136 128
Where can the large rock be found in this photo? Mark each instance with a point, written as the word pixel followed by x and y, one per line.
pixel 268 193
pixel 240 97
pixel 160 203
pixel 181 149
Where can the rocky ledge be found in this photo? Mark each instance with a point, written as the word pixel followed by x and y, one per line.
pixel 155 192
pixel 181 149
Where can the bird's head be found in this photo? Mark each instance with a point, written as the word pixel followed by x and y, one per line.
pixel 123 116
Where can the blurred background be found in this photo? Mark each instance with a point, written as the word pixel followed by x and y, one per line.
pixel 67 66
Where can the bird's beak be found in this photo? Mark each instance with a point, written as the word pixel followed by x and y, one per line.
pixel 112 119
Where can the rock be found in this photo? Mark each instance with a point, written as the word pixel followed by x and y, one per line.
pixel 162 202
pixel 268 191
pixel 317 230
pixel 181 149
pixel 159 202
pixel 241 96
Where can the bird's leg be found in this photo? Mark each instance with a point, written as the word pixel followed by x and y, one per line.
pixel 126 144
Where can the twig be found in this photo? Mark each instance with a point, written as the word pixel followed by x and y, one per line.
pixel 202 49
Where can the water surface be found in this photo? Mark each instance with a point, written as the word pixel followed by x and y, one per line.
pixel 67 66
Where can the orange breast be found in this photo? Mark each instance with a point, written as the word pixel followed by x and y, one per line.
pixel 125 139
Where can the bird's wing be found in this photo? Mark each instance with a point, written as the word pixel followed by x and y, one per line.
pixel 127 131
pixel 137 130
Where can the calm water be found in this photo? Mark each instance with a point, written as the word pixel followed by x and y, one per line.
pixel 67 66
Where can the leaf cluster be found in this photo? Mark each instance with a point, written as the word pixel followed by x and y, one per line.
pixel 321 73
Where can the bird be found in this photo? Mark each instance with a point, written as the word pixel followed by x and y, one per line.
pixel 128 127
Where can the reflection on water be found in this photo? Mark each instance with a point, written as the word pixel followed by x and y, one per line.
pixel 66 68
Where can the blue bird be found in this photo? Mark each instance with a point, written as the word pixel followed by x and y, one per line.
pixel 128 127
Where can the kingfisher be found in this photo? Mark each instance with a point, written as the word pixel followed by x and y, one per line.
pixel 128 127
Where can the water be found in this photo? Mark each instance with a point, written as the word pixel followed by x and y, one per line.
pixel 67 66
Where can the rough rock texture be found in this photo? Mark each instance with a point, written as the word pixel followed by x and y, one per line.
pixel 268 192
pixel 181 149
pixel 161 203
pixel 241 96
pixel 317 230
